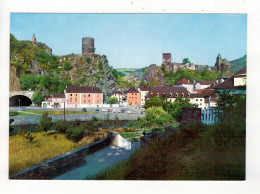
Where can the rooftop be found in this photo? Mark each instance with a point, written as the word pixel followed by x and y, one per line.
pixel 83 89
pixel 183 81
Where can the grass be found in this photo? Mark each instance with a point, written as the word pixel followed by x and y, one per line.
pixel 131 136
pixel 23 155
pixel 40 112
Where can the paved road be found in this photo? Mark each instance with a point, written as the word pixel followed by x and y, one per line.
pixel 23 120
pixel 96 162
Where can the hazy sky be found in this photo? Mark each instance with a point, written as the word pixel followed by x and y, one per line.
pixel 138 40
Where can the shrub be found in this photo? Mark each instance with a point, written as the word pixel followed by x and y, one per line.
pixel 75 134
pixel 93 124
pixel 27 135
pixel 61 126
pixel 67 66
pixel 45 123
pixel 76 123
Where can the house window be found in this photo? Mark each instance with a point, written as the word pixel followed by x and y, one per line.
pixel 98 95
pixel 70 99
pixel 200 99
pixel 170 94
pixel 88 100
pixel 89 95
pixel 176 95
pixel 157 94
pixel 97 100
pixel 188 94
pixel 196 99
pixel 70 94
pixel 76 94
pixel 200 103
pixel 75 99
pixel 84 95
pixel 132 93
pixel 182 94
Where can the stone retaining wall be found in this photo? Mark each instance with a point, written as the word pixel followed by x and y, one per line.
pixel 51 168
pixel 191 115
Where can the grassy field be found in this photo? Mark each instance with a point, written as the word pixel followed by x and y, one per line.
pixel 23 155
pixel 40 112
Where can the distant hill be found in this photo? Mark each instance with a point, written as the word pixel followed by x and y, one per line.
pixel 238 64
pixel 130 71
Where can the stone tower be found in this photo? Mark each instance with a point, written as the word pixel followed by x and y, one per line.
pixel 33 38
pixel 88 46
pixel 167 58
pixel 218 62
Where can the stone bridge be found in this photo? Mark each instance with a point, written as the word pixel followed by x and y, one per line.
pixel 20 98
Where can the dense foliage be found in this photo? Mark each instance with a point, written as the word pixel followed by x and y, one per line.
pixel 112 100
pixel 45 123
pixel 37 97
pixel 61 126
pixel 173 108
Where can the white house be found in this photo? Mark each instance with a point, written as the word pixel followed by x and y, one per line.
pixel 204 84
pixel 144 90
pixel 186 84
pixel 119 95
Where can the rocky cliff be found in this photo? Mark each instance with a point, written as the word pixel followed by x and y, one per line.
pixel 154 75
pixel 27 57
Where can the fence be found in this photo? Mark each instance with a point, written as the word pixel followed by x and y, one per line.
pixel 209 116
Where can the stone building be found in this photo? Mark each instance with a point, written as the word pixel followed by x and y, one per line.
pixel 222 65
pixel 33 38
pixel 167 58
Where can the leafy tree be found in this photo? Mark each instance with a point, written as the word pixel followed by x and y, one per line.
pixel 27 82
pixel 88 60
pixel 45 123
pixel 186 60
pixel 157 116
pixel 67 66
pixel 112 100
pixel 163 68
pixel 115 73
pixel 63 84
pixel 37 97
pixel 154 101
pixel 177 106
pixel 75 134
pixel 27 135
pixel 100 65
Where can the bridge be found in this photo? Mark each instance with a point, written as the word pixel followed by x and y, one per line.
pixel 20 98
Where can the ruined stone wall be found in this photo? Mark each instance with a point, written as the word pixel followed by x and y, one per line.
pixel 191 115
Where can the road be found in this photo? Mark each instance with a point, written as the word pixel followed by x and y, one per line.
pixel 34 119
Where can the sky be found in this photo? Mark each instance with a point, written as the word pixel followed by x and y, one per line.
pixel 138 40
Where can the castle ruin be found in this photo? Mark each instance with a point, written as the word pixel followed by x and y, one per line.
pixel 88 47
pixel 222 65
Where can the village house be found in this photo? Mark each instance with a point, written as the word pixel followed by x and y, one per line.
pixel 119 95
pixel 204 84
pixel 144 90
pixel 54 101
pixel 133 96
pixel 235 84
pixel 209 96
pixel 186 84
pixel 83 96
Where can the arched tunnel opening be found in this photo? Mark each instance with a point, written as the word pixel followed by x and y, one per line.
pixel 19 99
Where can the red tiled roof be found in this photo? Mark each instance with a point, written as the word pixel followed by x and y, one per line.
pixel 167 90
pixel 132 90
pixel 192 95
pixel 144 88
pixel 229 83
pixel 116 92
pixel 213 98
pixel 83 89
pixel 206 82
pixel 62 95
pixel 205 92
pixel 183 81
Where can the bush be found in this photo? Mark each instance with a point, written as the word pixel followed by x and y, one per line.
pixel 12 113
pixel 75 134
pixel 61 126
pixel 76 123
pixel 45 123
pixel 27 135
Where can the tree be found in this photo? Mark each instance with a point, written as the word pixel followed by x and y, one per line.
pixel 45 123
pixel 177 106
pixel 112 100
pixel 67 66
pixel 61 126
pixel 157 116
pixel 186 60
pixel 27 82
pixel 37 97
pixel 100 65
pixel 154 101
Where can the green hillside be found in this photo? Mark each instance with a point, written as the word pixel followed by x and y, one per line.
pixel 238 64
